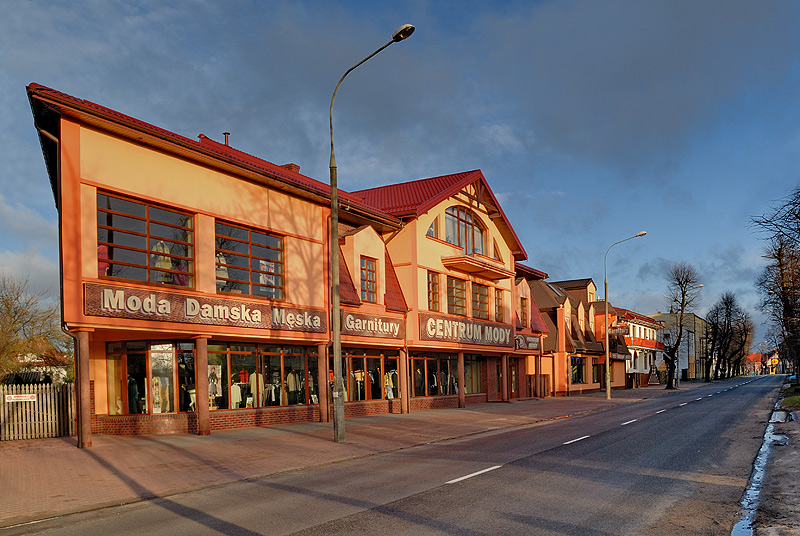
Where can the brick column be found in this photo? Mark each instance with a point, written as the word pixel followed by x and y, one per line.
pixel 405 394
pixel 462 393
pixel 322 381
pixel 83 395
pixel 201 385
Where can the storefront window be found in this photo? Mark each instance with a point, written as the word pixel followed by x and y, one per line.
pixel 143 242
pixel 136 358
pixel 162 364
pixel 472 374
pixel 437 374
pixel 186 387
pixel 577 370
pixel 243 367
pixel 368 374
pixel 217 377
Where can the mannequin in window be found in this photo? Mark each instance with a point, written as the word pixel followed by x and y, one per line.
pixel 222 271
pixel 160 261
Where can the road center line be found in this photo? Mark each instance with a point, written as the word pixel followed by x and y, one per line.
pixel 574 440
pixel 698 399
pixel 476 473
pixel 628 422
pixel 660 411
pixel 683 404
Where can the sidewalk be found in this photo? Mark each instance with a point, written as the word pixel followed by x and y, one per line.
pixel 50 477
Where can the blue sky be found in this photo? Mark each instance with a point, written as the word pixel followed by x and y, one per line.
pixel 592 120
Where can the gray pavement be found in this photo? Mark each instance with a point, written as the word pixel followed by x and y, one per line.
pixel 51 477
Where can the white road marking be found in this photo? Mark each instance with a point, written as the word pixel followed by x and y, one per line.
pixel 628 422
pixel 698 399
pixel 660 411
pixel 574 440
pixel 476 473
pixel 683 404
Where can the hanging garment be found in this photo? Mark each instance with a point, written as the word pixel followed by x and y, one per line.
pixel 236 396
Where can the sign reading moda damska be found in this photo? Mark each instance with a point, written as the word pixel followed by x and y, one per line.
pixel 372 326
pixel 139 304
pixel 463 330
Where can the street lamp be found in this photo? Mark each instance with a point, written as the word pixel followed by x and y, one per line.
pixel 401 33
pixel 605 290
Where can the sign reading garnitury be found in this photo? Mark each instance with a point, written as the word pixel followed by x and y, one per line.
pixel 372 326
pixel 138 304
pixel 447 329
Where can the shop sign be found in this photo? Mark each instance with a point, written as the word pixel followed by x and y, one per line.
pixel 526 342
pixel 372 326
pixel 139 304
pixel 465 331
pixel 28 397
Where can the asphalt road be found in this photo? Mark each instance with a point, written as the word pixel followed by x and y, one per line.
pixel 670 465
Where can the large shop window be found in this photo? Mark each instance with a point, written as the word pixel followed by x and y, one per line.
pixel 463 228
pixel 150 378
pixel 144 242
pixel 368 374
pixel 249 262
pixel 247 376
pixel 456 296
pixel 435 374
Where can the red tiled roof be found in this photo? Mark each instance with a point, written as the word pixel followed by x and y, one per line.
pixel 393 298
pixel 537 322
pixel 417 197
pixel 347 289
pixel 85 110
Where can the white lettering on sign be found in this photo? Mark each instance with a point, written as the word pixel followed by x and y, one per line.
pixel 296 320
pixel 207 311
pixel 443 328
pixel 115 300
pixel 375 325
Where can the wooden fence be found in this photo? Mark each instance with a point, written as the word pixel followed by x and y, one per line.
pixel 36 411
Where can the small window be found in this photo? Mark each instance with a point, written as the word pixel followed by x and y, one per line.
pixel 498 305
pixel 456 296
pixel 523 312
pixel 144 242
pixel 369 280
pixel 433 230
pixel 480 301
pixel 249 261
pixel 433 291
pixel 496 252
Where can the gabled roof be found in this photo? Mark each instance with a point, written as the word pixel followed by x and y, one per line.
pixel 627 314
pixel 414 198
pixel 49 105
pixel 393 298
pixel 545 296
pixel 529 273
pixel 571 284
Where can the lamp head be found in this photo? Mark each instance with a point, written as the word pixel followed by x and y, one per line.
pixel 641 233
pixel 403 32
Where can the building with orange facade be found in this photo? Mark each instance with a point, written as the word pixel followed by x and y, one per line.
pixel 195 282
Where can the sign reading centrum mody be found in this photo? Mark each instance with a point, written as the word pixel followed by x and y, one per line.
pixel 464 330
pixel 139 304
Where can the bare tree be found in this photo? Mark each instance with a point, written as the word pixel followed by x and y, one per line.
pixel 29 326
pixel 682 293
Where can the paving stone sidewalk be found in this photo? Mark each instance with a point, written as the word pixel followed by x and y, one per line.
pixel 50 477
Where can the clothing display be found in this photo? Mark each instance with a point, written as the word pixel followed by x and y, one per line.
pixel 236 396
pixel 257 388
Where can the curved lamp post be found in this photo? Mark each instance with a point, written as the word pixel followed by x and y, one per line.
pixel 401 33
pixel 605 289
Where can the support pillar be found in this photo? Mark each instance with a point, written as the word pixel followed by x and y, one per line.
pixel 322 382
pixel 504 377
pixel 462 393
pixel 84 400
pixel 201 385
pixel 405 393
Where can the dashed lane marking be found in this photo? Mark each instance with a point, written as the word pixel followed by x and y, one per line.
pixel 577 439
pixel 476 473
pixel 628 422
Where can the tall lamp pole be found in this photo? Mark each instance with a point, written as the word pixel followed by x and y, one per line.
pixel 401 33
pixel 605 290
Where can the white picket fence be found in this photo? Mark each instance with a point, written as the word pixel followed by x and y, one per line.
pixel 36 411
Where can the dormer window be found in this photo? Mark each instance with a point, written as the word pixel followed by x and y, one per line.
pixel 369 280
pixel 464 229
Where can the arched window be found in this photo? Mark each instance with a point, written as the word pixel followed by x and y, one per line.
pixel 464 229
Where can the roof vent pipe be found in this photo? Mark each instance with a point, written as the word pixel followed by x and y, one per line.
pixel 226 134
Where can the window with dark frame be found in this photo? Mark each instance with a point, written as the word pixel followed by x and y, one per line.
pixel 369 280
pixel 144 242
pixel 249 261
pixel 480 301
pixel 463 228
pixel 498 305
pixel 456 296
pixel 433 291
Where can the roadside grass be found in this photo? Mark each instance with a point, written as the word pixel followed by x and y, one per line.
pixel 791 403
